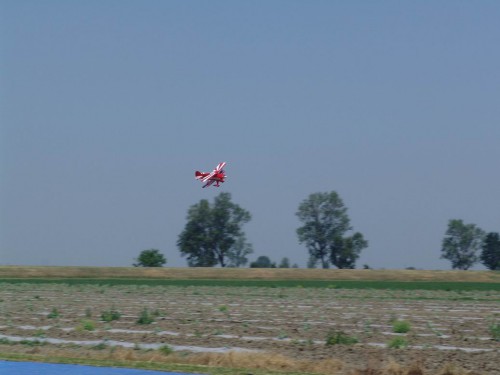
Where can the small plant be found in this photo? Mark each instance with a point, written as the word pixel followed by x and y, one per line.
pixel 397 343
pixel 54 313
pixel 224 309
pixel 145 317
pixel 110 315
pixel 495 331
pixel 86 325
pixel 165 350
pixel 88 312
pixel 100 346
pixel 5 341
pixel 282 335
pixel 401 326
pixel 39 333
pixel 340 338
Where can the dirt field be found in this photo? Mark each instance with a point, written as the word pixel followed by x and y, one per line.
pixel 445 327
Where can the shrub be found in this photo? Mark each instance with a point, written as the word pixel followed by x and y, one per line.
pixel 166 350
pixel 110 315
pixel 100 346
pixel 86 325
pixel 340 338
pixel 495 331
pixel 397 343
pixel 145 317
pixel 401 326
pixel 54 313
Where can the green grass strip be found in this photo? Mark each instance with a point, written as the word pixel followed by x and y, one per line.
pixel 334 284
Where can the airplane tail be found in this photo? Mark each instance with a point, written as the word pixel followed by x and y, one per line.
pixel 197 175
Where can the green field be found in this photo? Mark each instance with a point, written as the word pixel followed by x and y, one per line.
pixel 336 284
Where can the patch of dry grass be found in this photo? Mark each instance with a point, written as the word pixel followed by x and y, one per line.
pixel 231 360
pixel 246 274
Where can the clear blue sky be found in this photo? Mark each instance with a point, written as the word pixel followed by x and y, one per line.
pixel 108 108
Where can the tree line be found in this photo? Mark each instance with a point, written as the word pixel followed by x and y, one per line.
pixel 214 236
pixel 464 245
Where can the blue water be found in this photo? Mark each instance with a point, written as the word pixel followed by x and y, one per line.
pixel 36 368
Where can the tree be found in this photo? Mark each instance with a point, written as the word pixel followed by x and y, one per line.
pixel 325 222
pixel 262 262
pixel 241 248
pixel 150 258
pixel 490 255
pixel 213 234
pixel 346 251
pixel 461 244
pixel 285 263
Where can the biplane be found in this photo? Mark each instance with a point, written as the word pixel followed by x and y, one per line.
pixel 217 176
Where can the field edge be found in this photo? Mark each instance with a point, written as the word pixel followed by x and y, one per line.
pixel 205 273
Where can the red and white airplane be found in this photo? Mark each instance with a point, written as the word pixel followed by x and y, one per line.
pixel 217 175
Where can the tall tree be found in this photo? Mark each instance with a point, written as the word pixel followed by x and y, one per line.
pixel 345 251
pixel 150 258
pixel 490 255
pixel 325 221
pixel 241 248
pixel 461 244
pixel 213 234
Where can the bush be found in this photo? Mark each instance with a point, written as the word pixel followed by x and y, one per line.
pixel 53 314
pixel 340 338
pixel 166 350
pixel 110 315
pixel 150 258
pixel 401 326
pixel 495 331
pixel 145 317
pixel 86 325
pixel 397 343
pixel 224 309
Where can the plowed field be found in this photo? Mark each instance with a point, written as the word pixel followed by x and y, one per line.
pixel 442 326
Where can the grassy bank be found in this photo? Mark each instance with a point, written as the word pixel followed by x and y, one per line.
pixel 144 365
pixel 282 274
pixel 248 277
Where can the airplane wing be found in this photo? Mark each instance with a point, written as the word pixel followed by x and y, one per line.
pixel 220 166
pixel 209 176
pixel 210 182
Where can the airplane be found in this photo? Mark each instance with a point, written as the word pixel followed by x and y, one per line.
pixel 217 175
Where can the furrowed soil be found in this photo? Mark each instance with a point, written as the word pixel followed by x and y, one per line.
pixel 446 328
